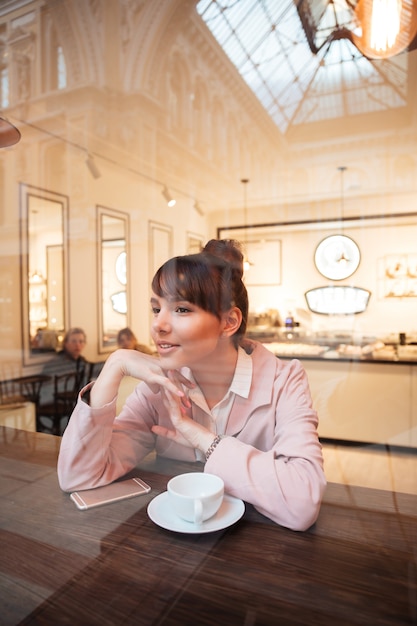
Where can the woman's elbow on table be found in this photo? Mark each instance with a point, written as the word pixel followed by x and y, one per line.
pixel 65 484
pixel 306 518
pixel 68 485
pixel 71 479
pixel 304 511
pixel 298 516
pixel 299 509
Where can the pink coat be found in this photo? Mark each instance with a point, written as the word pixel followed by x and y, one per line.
pixel 271 457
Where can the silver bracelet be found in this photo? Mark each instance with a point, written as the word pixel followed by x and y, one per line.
pixel 217 439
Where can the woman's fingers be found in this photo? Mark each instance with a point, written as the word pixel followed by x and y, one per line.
pixel 173 405
pixel 164 432
pixel 180 379
pixel 148 368
pixel 185 430
pixel 156 382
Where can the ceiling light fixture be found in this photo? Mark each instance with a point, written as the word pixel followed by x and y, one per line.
pixel 246 263
pixel 170 200
pixel 9 134
pixel 387 27
pixel 92 166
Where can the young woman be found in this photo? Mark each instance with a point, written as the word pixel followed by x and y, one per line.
pixel 211 396
pixel 126 338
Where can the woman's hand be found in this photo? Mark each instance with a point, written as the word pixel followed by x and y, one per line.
pixel 186 431
pixel 125 362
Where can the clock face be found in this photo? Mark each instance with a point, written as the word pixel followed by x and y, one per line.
pixel 337 257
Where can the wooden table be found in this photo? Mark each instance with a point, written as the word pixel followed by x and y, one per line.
pixel 113 565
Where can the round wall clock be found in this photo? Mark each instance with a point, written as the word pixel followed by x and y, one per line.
pixel 337 257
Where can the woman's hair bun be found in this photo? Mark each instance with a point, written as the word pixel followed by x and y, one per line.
pixel 228 250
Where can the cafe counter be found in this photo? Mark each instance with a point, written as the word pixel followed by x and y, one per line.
pixel 114 565
pixel 359 398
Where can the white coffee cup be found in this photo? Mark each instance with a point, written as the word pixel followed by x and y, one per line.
pixel 197 496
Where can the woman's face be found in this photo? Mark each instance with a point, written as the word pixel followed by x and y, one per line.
pixel 75 344
pixel 184 334
pixel 126 342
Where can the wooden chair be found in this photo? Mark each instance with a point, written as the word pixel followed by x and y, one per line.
pixel 10 392
pixel 93 370
pixel 66 389
pixel 30 389
pixel 19 393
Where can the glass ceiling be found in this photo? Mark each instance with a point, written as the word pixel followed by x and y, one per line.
pixel 302 74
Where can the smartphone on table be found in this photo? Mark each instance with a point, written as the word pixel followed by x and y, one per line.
pixel 120 490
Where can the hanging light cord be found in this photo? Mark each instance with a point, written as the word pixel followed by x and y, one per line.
pixel 246 262
pixel 342 260
pixel 342 170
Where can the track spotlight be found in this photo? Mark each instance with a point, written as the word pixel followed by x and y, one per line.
pixel 170 200
pixel 198 208
pixel 92 166
pixel 9 134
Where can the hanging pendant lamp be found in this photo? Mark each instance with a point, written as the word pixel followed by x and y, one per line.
pixel 387 27
pixel 246 263
pixel 9 134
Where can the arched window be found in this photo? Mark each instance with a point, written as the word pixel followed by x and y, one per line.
pixel 218 131
pixel 201 124
pixel 61 69
pixel 54 74
pixel 179 101
pixel 173 102
pixel 4 87
pixel 232 143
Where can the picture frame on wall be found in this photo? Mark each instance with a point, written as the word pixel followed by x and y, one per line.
pixel 160 246
pixel 195 243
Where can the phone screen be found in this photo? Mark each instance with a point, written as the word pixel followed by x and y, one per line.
pixel 120 490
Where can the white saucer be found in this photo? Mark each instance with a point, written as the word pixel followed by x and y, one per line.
pixel 161 513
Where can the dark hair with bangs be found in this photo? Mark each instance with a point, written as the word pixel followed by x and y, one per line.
pixel 211 279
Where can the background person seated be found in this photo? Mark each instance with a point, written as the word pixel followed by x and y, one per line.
pixel 127 339
pixel 67 360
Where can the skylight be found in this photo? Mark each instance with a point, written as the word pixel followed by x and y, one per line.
pixel 267 43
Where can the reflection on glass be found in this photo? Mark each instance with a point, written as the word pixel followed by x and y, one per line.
pixel 119 302
pixel 46 302
pixel 43 277
pixel 113 273
pixel 121 268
